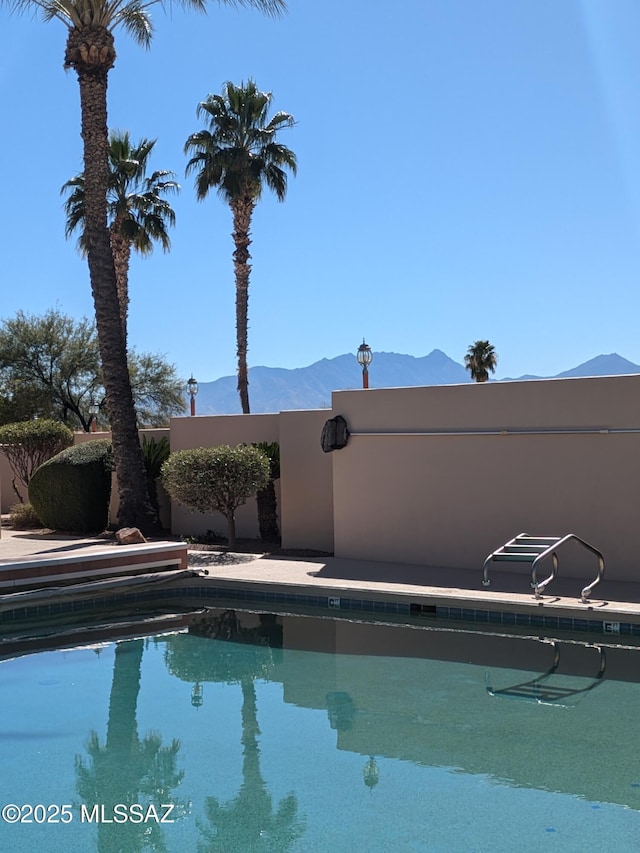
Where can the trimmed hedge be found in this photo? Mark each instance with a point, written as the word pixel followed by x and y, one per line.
pixel 73 489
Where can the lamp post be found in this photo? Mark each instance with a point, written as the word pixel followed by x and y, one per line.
pixel 94 408
pixel 192 388
pixel 365 357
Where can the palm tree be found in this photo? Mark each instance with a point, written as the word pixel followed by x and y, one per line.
pixel 138 214
pixel 90 51
pixel 238 154
pixel 480 359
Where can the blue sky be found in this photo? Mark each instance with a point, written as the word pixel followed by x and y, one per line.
pixel 467 169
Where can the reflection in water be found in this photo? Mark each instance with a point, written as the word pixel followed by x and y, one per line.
pixel 547 688
pixel 249 822
pixel 127 770
pixel 350 736
pixel 371 773
pixel 428 695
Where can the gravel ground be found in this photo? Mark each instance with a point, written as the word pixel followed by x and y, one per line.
pixel 217 558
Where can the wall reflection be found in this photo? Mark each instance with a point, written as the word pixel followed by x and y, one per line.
pixel 408 700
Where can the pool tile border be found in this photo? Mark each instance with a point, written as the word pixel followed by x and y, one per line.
pixel 328 603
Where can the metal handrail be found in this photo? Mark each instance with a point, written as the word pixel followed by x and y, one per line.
pixel 540 586
pixel 586 591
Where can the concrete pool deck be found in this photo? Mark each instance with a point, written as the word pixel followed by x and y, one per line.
pixel 342 581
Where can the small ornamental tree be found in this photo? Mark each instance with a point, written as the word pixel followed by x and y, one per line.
pixel 27 445
pixel 216 479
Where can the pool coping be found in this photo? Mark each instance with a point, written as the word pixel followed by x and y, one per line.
pixel 328 584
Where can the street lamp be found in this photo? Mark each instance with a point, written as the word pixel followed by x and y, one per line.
pixel 365 357
pixel 192 388
pixel 94 408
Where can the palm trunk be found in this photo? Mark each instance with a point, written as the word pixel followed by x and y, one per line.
pixel 91 53
pixel 121 256
pixel 242 209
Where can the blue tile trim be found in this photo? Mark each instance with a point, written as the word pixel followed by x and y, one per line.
pixel 321 602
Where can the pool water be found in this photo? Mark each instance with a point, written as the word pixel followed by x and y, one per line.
pixel 264 733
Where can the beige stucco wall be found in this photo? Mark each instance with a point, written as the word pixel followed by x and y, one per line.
pixel 306 492
pixel 449 500
pixel 6 476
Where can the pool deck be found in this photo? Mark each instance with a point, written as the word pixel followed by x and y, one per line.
pixel 352 582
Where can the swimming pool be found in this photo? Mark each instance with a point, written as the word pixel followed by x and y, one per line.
pixel 278 733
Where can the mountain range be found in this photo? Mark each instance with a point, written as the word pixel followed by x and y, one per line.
pixel 275 389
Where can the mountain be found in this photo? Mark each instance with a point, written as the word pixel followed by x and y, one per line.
pixel 602 365
pixel 275 389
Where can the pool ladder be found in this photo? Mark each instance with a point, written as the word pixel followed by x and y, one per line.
pixel 533 549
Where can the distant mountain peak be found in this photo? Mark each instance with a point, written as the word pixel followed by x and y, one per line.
pixel 274 389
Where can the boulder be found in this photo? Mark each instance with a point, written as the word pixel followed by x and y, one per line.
pixel 129 536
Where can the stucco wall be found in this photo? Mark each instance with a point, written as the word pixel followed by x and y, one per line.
pixel 306 484
pixel 6 476
pixel 450 499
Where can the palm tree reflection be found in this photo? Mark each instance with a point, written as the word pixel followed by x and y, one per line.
pixel 126 769
pixel 249 821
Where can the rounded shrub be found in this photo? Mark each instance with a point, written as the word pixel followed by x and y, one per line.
pixel 27 444
pixel 220 479
pixel 72 490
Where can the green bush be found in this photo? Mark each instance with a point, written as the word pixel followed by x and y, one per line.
pixel 24 517
pixel 72 490
pixel 216 479
pixel 155 454
pixel 30 443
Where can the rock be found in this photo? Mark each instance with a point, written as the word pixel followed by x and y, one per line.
pixel 129 536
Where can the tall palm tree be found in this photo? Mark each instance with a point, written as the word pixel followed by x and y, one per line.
pixel 480 359
pixel 239 155
pixel 90 52
pixel 138 214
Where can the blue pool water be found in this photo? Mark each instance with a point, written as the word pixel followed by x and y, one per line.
pixel 308 734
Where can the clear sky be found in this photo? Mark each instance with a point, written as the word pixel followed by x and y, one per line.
pixel 467 169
